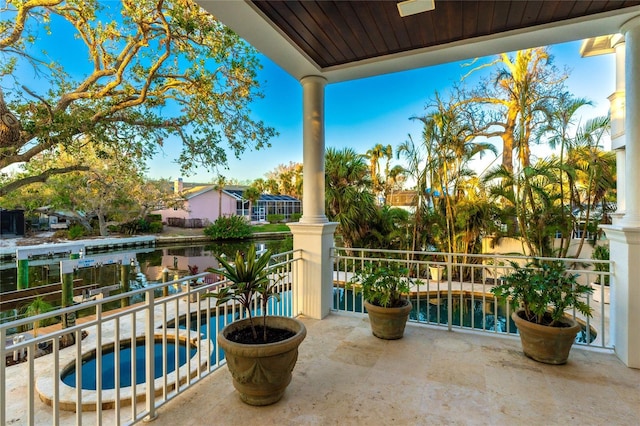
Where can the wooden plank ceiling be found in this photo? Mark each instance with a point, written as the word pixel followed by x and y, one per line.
pixel 333 33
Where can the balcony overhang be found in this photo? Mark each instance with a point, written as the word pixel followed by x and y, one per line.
pixel 258 29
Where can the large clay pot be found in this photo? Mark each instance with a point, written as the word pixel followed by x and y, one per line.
pixel 388 323
pixel 542 343
pixel 436 273
pixel 262 372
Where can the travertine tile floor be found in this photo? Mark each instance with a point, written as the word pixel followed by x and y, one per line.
pixel 345 376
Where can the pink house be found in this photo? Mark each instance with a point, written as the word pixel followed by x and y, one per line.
pixel 202 205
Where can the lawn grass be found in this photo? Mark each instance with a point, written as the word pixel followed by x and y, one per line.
pixel 270 227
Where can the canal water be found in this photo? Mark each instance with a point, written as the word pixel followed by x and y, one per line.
pixel 149 263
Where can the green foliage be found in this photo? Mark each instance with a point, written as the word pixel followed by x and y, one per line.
pixel 155 227
pixel 545 290
pixel 176 54
pixel 270 227
pixel 37 307
pixel 389 229
pixel 295 217
pixel 75 231
pixel 141 226
pixel 348 197
pixel 229 228
pixel 134 227
pixel 275 218
pixel 384 285
pixel 250 279
pixel 154 217
pixel 601 253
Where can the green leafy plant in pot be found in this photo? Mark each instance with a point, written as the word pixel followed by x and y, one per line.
pixel 260 354
pixel 540 293
pixel 385 289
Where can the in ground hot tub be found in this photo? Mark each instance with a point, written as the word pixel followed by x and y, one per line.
pixel 126 360
pixel 189 357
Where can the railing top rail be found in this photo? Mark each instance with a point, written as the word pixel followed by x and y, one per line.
pixel 516 256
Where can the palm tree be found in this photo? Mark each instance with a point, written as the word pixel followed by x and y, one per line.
pixel 519 94
pixel 219 185
pixel 449 140
pixel 271 186
pixel 348 197
pixel 374 155
pixel 594 171
pixel 415 157
pixel 560 121
pixel 389 229
pixel 252 194
pixel 532 197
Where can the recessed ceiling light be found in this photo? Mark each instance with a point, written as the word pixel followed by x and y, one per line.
pixel 411 7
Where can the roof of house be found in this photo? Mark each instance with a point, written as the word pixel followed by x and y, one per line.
pixel 235 192
pixel 196 190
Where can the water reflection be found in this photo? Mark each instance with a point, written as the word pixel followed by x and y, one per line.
pixel 148 265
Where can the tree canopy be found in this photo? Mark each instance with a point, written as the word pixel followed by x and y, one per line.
pixel 143 74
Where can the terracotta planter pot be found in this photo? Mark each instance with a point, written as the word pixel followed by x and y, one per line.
pixel 262 372
pixel 436 272
pixel 550 345
pixel 388 323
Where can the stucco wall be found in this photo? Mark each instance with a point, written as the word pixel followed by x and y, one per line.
pixel 203 206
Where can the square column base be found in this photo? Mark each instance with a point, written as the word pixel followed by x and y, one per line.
pixel 624 245
pixel 315 293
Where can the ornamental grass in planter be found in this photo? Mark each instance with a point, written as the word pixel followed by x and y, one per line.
pixel 385 289
pixel 260 353
pixel 540 293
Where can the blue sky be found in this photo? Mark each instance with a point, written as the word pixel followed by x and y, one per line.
pixel 363 113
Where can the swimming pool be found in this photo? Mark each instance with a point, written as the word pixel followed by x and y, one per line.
pixel 126 356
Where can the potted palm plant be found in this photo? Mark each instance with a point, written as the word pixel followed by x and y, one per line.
pixel 260 354
pixel 540 293
pixel 385 289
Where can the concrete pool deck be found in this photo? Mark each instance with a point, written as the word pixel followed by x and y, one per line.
pixel 432 376
pixel 346 376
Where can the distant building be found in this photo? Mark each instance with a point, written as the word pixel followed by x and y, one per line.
pixel 11 223
pixel 285 205
pixel 403 199
pixel 203 204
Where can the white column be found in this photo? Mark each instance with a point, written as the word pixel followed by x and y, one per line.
pixel 313 150
pixel 617 113
pixel 624 235
pixel 620 186
pixel 313 235
pixel 631 32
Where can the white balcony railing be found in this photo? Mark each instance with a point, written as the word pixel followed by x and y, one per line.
pixel 453 290
pixel 101 378
pixel 172 337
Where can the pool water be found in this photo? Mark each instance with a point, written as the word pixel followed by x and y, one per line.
pixel 108 373
pixel 467 311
